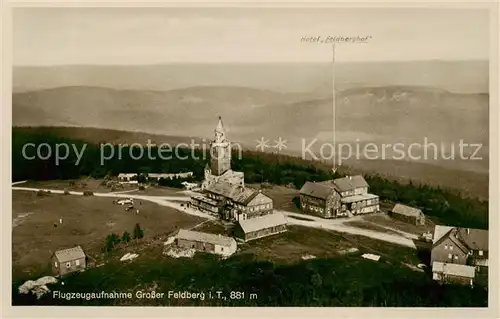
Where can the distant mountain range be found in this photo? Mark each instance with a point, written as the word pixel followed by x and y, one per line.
pixel 380 115
pixel 443 102
pixel 454 76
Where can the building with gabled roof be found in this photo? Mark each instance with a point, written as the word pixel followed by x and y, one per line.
pixel 127 178
pixel 258 227
pixel 205 242
pixel 351 185
pixel 68 260
pixel 236 193
pixel 158 176
pixel 318 190
pixel 320 199
pixel 465 246
pixel 233 201
pixel 453 273
pixel 341 197
pixel 408 214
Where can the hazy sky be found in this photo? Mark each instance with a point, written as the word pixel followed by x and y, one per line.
pixel 56 36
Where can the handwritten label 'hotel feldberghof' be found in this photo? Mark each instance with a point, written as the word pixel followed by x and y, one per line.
pixel 335 39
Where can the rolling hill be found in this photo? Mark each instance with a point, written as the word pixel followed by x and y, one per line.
pixel 381 115
pixel 455 76
pixel 369 114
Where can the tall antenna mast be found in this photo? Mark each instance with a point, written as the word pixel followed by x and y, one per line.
pixel 334 168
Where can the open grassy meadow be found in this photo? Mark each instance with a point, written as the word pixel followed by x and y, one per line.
pixel 87 220
pixel 283 197
pixel 77 185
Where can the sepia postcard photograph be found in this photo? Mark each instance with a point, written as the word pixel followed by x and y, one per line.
pixel 252 156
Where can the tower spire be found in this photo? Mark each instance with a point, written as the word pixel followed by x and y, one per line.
pixel 220 132
pixel 220 126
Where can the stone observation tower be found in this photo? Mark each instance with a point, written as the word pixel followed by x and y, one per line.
pixel 220 151
pixel 219 169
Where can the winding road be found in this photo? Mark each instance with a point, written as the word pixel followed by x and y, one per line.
pixel 405 239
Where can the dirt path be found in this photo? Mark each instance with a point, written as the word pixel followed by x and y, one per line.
pixel 337 225
pixel 315 222
pixel 403 233
pixel 124 192
pixel 160 200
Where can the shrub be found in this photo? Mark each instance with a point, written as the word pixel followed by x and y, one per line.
pixel 41 192
pixel 112 240
pixel 296 201
pixel 126 237
pixel 266 185
pixel 138 232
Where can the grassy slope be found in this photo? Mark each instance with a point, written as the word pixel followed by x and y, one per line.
pixel 278 279
pixel 86 222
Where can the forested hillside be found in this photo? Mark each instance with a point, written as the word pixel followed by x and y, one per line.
pixel 448 206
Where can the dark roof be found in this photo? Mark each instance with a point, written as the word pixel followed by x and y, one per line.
pixel 350 183
pixel 451 234
pixel 475 239
pixel 316 190
pixel 236 193
pixel 406 210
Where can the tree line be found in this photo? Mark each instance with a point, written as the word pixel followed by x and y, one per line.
pixel 448 206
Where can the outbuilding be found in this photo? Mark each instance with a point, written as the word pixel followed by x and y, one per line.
pixel 205 242
pixel 258 227
pixel 408 214
pixel 68 261
pixel 453 273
